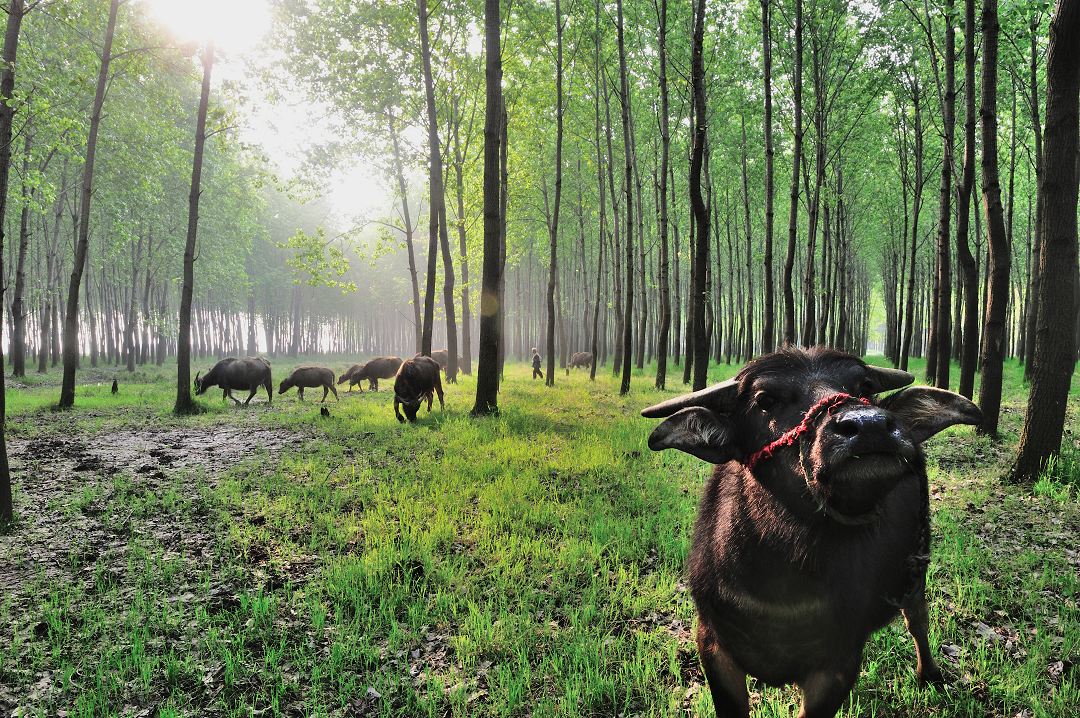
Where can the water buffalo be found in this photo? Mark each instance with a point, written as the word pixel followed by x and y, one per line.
pixel 814 529
pixel 304 377
pixel 581 359
pixel 231 373
pixel 416 380
pixel 372 370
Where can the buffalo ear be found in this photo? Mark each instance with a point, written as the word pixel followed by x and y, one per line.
pixel 926 410
pixel 698 432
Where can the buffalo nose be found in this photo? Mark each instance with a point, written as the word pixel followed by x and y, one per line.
pixel 858 421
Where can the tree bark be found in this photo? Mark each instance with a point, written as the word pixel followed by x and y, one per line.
pixel 16 11
pixel 701 211
pixel 665 145
pixel 993 350
pixel 793 214
pixel 628 313
pixel 1044 419
pixel 969 349
pixel 184 403
pixel 489 364
pixel 768 321
pixel 71 323
pixel 18 311
pixel 553 224
pixel 1031 320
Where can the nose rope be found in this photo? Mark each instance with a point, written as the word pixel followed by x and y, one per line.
pixel 789 438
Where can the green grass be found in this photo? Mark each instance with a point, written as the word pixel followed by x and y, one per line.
pixel 527 564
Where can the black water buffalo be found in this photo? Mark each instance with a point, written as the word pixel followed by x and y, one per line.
pixel 417 379
pixel 246 374
pixel 814 529
pixel 372 370
pixel 305 377
pixel 581 359
pixel 442 356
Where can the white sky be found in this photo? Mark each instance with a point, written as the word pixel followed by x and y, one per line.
pixel 236 27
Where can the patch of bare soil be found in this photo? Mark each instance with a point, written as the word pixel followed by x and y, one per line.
pixel 84 504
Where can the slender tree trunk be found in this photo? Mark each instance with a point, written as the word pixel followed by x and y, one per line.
pixel 1055 354
pixel 553 224
pixel 969 350
pixel 489 363
pixel 466 310
pixel 71 324
pixel 7 116
pixel 628 315
pixel 993 351
pixel 768 330
pixel 600 197
pixel 937 362
pixel 701 211
pixel 18 311
pixel 1036 264
pixel 665 145
pixel 749 256
pixel 793 215
pixel 184 403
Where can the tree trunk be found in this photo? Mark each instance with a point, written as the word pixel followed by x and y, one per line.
pixel 628 314
pixel 600 194
pixel 937 361
pixel 1044 419
pixel 1036 127
pixel 553 223
pixel 184 403
pixel 489 363
pixel 18 311
pixel 71 324
pixel 768 321
pixel 793 214
pixel 7 117
pixel 969 350
pixel 993 350
pixel 665 145
pixel 701 212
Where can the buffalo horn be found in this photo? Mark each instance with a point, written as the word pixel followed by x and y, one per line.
pixel 197 374
pixel 719 398
pixel 886 379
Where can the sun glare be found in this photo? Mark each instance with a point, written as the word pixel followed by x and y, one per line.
pixel 234 25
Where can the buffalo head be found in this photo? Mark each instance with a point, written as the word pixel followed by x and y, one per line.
pixel 199 388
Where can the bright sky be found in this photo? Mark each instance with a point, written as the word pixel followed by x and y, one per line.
pixel 236 27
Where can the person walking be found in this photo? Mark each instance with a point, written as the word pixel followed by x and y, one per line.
pixel 536 365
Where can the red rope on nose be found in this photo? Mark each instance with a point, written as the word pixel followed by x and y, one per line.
pixel 827 404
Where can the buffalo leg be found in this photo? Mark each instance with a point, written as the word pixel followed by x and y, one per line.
pixel 269 392
pixel 300 393
pixel 825 691
pixel 727 682
pixel 400 418
pixel 254 391
pixel 328 388
pixel 917 618
pixel 228 392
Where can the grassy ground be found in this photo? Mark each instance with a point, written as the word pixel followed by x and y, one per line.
pixel 270 561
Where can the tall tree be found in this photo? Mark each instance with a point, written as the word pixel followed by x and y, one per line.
pixel 488 365
pixel 965 183
pixel 665 145
pixel 1055 352
pixel 938 355
pixel 1033 96
pixel 553 222
pixel 768 329
pixel 993 349
pixel 71 323
pixel 793 213
pixel 184 403
pixel 16 11
pixel 697 200
pixel 628 314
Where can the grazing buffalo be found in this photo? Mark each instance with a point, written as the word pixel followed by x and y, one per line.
pixel 246 374
pixel 814 529
pixel 581 359
pixel 372 370
pixel 442 356
pixel 306 377
pixel 417 379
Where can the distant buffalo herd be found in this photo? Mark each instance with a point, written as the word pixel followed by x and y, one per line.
pixel 415 379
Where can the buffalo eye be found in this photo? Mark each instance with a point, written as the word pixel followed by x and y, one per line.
pixel 764 400
pixel 867 391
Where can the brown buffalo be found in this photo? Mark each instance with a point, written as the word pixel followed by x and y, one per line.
pixel 306 377
pixel 417 379
pixel 581 359
pixel 814 529
pixel 372 370
pixel 246 374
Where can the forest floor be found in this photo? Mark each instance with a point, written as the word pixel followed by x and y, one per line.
pixel 270 561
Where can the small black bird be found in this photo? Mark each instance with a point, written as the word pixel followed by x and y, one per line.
pixel 115 387
pixel 324 411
